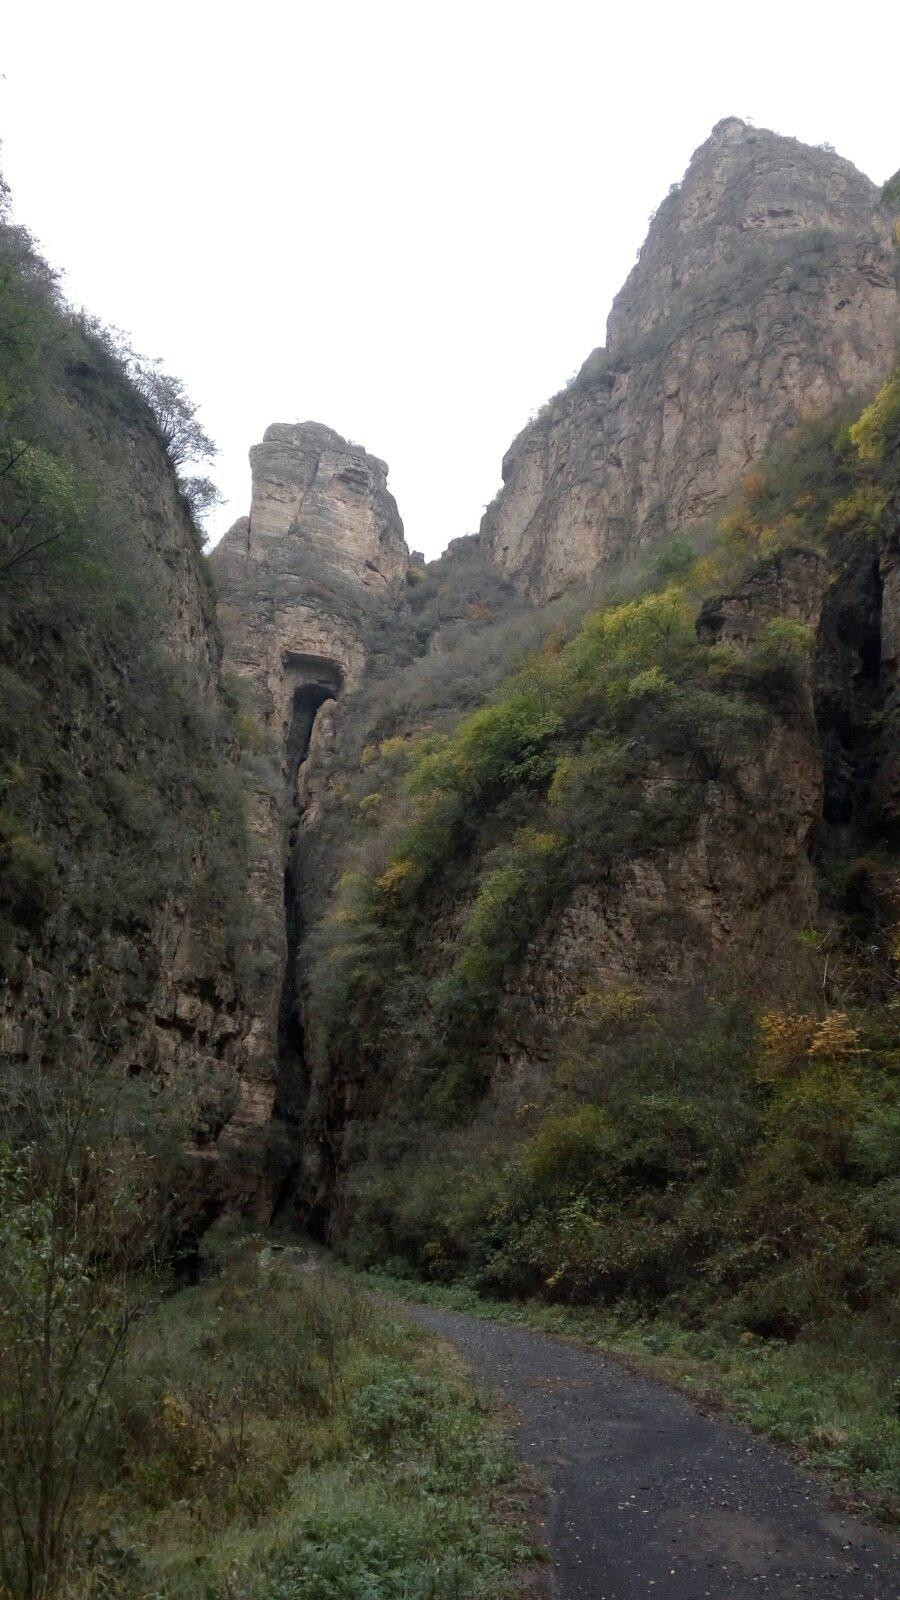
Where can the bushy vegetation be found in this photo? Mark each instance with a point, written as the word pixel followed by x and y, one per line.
pixel 270 1434
pixel 266 1433
pixel 604 744
pixel 724 1157
pixel 87 1169
pixel 732 1168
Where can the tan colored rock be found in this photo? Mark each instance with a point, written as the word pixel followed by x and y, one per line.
pixel 320 555
pixel 330 497
pixel 297 578
pixel 764 292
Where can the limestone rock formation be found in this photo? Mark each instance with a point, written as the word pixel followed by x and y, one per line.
pixel 322 544
pixel 310 484
pixel 764 292
pixel 321 553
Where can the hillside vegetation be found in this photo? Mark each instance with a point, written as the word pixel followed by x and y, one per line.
pixel 722 1153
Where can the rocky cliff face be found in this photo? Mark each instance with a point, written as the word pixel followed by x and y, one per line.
pixel 764 292
pixel 300 580
pixel 764 298
pixel 322 544
pixel 122 876
pixel 173 834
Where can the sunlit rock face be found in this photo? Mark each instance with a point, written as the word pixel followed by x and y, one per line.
pixel 330 498
pixel 764 292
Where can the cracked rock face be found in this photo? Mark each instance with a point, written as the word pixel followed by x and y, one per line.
pixel 764 292
pixel 322 545
pixel 319 500
pixel 321 553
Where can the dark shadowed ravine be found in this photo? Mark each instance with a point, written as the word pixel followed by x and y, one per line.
pixel 646 1496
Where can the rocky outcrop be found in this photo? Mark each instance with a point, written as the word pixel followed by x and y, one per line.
pixel 300 580
pixel 330 499
pixel 323 543
pixel 764 292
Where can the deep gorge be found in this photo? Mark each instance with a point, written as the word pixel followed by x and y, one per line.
pixel 336 703
pixel 515 932
pixel 528 916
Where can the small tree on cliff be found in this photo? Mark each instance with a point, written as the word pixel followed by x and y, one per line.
pixel 183 435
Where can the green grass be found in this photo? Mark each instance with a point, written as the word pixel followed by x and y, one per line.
pixel 834 1402
pixel 286 1438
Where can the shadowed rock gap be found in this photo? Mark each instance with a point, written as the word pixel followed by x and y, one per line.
pixel 307 699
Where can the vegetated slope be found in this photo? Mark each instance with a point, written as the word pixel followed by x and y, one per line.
pixel 606 1007
pixel 276 1436
pixel 603 1007
pixel 123 847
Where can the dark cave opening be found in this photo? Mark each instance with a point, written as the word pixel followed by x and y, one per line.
pixel 306 701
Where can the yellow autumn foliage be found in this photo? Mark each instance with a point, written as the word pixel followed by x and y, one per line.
pixel 834 1037
pixel 395 875
pixel 784 1040
pixel 788 1040
pixel 617 1003
pixel 870 432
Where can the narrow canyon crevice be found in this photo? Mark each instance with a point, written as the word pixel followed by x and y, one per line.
pixel 311 683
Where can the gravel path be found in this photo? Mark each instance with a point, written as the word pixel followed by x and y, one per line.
pixel 648 1497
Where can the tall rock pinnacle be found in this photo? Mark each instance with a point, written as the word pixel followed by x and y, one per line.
pixel 764 291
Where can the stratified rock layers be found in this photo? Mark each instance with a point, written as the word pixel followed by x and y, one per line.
pixel 323 541
pixel 764 292
pixel 321 551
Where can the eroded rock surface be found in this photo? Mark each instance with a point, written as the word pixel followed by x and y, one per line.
pixel 764 292
pixel 320 554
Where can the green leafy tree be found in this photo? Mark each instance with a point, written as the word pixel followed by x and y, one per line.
pixel 76 1224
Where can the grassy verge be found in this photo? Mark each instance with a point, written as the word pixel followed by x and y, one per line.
pixel 834 1402
pixel 275 1437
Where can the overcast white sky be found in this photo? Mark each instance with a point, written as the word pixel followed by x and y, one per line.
pixel 403 218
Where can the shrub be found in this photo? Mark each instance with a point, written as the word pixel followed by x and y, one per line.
pixel 876 433
pixel 568 1153
pixel 79 1218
